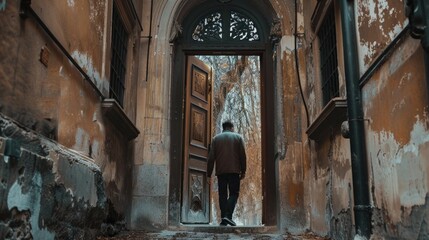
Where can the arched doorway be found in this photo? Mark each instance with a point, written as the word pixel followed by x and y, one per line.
pixel 224 27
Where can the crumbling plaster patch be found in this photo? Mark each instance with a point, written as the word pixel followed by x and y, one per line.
pixel 29 201
pixel 399 171
pixel 85 61
pixel 96 12
pixel 286 13
pixel 287 44
pixel 82 141
pixel 70 3
pixel 341 176
pixel 397 60
pixel 379 22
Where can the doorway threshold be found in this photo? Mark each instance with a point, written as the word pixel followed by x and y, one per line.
pixel 256 229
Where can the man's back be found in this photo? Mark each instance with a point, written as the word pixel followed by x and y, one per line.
pixel 227 150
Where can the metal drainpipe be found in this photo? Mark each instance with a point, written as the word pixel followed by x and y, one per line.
pixel 362 207
pixel 417 12
pixel 149 37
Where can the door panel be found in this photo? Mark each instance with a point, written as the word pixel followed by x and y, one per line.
pixel 196 192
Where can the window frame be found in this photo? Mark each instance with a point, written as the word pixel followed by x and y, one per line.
pixel 119 57
pixel 328 55
pixel 330 114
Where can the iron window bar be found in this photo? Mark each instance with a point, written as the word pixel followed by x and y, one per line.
pixel 328 57
pixel 119 55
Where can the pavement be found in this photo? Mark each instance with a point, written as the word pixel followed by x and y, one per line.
pixel 218 233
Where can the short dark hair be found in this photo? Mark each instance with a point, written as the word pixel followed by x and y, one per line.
pixel 227 125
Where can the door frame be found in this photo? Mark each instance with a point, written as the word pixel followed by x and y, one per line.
pixel 270 207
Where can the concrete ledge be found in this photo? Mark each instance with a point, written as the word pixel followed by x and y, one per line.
pixel 117 116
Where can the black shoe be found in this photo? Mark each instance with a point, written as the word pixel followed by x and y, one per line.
pixel 223 222
pixel 229 221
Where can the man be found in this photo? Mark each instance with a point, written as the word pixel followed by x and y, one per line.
pixel 227 151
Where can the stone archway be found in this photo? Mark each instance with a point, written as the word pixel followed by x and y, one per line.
pixel 262 13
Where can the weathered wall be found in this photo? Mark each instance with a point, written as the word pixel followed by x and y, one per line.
pixel 378 23
pixel 398 143
pixel 54 99
pixel 314 177
pixel 48 191
pixel 294 167
pixel 329 171
pixel 395 105
pixel 395 102
pixel 22 94
pixel 151 158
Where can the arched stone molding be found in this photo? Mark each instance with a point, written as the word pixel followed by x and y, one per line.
pixel 151 207
pixel 264 49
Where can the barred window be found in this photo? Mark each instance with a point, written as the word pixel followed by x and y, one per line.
pixel 118 59
pixel 328 56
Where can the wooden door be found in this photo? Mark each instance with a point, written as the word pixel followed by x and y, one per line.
pixel 197 136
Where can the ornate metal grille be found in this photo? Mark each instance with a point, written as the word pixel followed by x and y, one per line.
pixel 242 28
pixel 118 59
pixel 225 25
pixel 328 57
pixel 209 29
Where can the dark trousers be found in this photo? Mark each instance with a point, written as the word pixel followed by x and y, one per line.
pixel 229 182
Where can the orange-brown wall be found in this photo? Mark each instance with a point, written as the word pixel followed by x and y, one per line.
pixel 55 99
pixel 395 105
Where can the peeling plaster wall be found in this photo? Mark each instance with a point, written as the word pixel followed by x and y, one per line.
pixel 26 94
pixel 80 124
pixel 319 155
pixel 54 99
pixel 56 94
pixel 48 191
pixel 329 176
pixel 82 36
pixel 378 23
pixel 395 107
pixel 398 143
pixel 294 169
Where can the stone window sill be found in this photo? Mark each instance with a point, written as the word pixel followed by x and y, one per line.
pixel 332 115
pixel 117 116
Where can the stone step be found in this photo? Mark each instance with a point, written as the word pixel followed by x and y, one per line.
pixel 224 229
pixel 211 232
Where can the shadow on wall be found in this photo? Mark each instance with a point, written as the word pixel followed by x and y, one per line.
pixel 25 117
